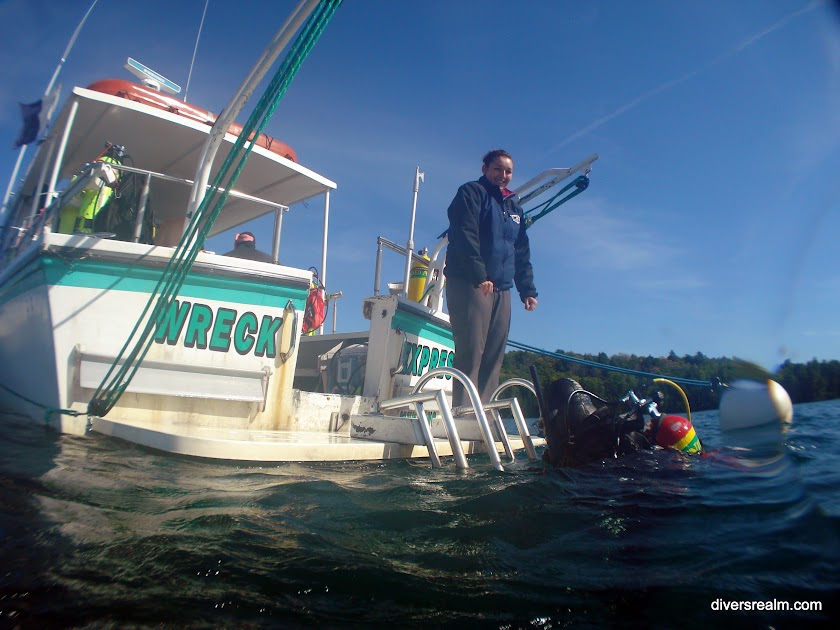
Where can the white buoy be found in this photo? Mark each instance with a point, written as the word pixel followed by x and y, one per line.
pixel 746 404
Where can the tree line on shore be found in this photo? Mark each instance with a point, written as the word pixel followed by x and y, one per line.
pixel 805 382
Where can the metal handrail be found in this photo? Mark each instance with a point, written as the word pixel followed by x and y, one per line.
pixel 400 361
pixel 36 223
pixel 332 299
pixel 514 382
pixel 495 406
pixel 384 243
pixel 516 410
pixel 290 308
pixel 475 399
pixel 92 171
pixel 189 182
pixel 417 400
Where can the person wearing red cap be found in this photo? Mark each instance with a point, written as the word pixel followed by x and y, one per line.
pixel 245 246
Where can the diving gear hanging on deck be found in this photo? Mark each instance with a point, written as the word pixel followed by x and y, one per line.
pixel 79 214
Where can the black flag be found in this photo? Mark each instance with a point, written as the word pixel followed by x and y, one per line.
pixel 31 123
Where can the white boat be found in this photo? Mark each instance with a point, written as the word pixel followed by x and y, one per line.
pixel 228 373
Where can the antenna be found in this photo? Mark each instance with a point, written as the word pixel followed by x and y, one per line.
pixel 195 50
pixel 150 78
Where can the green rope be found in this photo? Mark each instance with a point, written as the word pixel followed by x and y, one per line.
pixel 610 368
pixel 172 279
pixel 48 411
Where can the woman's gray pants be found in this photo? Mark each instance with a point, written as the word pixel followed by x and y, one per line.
pixel 480 326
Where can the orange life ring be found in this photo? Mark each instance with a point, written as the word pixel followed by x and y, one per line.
pixel 153 98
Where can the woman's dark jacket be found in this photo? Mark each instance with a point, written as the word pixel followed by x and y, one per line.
pixel 487 239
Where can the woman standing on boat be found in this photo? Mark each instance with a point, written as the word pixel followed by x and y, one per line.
pixel 488 253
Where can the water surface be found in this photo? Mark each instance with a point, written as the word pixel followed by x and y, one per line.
pixel 101 533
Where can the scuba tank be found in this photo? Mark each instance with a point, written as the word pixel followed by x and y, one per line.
pixel 417 277
pixel 79 213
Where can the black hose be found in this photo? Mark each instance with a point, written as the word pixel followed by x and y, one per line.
pixel 538 391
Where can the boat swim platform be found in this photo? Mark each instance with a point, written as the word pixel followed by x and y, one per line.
pixel 279 446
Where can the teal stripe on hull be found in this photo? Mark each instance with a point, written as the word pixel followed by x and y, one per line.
pixel 109 275
pixel 423 328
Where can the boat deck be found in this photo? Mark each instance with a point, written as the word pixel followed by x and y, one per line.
pixel 276 446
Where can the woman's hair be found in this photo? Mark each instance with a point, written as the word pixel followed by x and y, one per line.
pixel 490 156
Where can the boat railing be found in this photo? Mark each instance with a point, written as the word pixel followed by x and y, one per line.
pixel 382 244
pixel 418 398
pixel 516 410
pixel 32 226
pixel 331 301
pixel 487 415
pixel 17 238
pixel 435 280
pixel 189 182
pixel 279 208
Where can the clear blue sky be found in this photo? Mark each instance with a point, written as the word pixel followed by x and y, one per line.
pixel 711 223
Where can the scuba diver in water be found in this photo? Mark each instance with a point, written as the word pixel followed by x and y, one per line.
pixel 578 432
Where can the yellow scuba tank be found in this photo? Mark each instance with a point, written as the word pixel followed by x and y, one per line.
pixel 417 277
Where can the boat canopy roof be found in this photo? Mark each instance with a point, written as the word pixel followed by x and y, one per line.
pixel 164 142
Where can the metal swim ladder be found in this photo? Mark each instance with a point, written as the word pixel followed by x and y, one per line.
pixel 419 398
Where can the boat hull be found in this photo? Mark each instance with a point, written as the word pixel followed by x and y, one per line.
pixel 217 381
pixel 70 306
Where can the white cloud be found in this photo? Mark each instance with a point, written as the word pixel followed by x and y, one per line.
pixel 691 74
pixel 592 234
pixel 828 284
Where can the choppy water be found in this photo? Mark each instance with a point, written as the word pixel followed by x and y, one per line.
pixel 100 533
